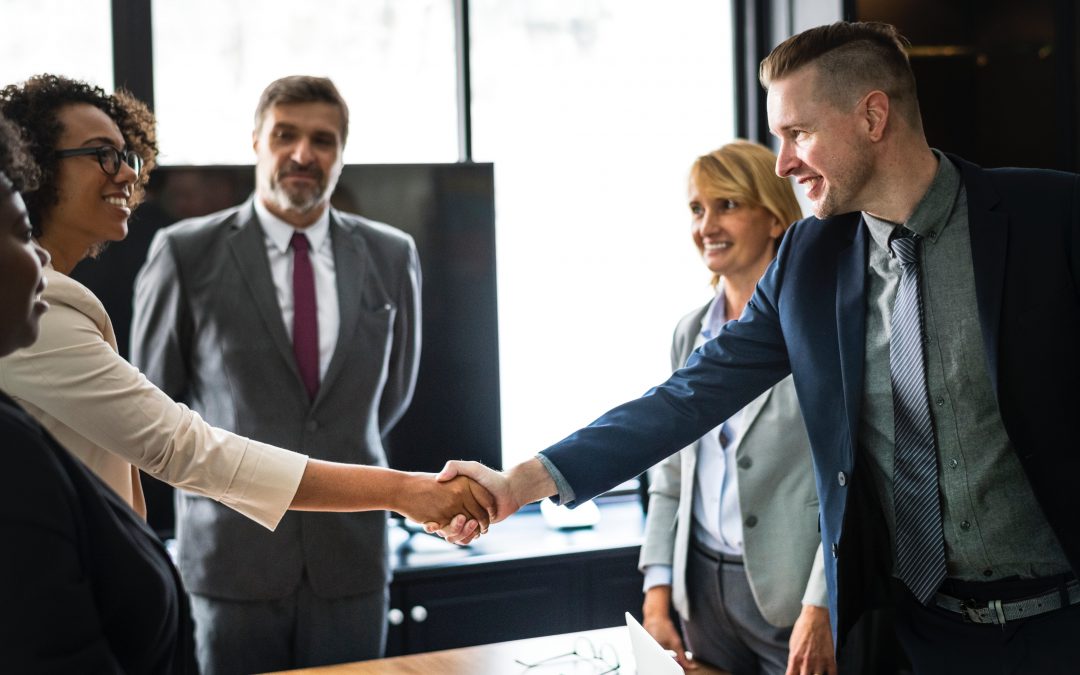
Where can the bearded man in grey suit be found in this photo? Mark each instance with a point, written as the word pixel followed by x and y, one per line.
pixel 295 324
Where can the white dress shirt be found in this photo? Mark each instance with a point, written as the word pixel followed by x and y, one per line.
pixel 277 234
pixel 717 516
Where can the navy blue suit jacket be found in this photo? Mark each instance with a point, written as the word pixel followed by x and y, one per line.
pixel 808 317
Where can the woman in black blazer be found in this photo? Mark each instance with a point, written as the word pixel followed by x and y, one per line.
pixel 85 586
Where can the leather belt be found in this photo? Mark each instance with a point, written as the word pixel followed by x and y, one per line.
pixel 715 556
pixel 998 611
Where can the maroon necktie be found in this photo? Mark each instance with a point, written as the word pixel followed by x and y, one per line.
pixel 305 315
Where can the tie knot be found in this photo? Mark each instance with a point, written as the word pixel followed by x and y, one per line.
pixel 299 242
pixel 905 246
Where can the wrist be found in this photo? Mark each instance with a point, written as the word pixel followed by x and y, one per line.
pixel 657 602
pixel 529 482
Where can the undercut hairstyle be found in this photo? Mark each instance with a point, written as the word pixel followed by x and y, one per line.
pixel 302 89
pixel 852 59
pixel 35 107
pixel 745 172
pixel 17 167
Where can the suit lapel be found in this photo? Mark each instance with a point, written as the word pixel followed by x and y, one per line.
pixel 851 322
pixel 248 246
pixel 989 232
pixel 350 268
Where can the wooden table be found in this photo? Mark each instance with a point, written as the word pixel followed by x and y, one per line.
pixel 498 659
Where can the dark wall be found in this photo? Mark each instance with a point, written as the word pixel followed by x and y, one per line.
pixel 997 78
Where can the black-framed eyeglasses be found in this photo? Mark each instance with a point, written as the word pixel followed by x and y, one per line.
pixel 108 157
pixel 605 659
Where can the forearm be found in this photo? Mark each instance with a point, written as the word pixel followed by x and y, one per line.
pixel 657 602
pixel 331 486
pixel 530 482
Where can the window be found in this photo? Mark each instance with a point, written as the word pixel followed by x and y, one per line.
pixel 57 36
pixel 592 112
pixel 393 62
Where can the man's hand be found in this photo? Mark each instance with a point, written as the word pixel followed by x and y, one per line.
pixel 656 615
pixel 495 482
pixel 811 645
pixel 458 500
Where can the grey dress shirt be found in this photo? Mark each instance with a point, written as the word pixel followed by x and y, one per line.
pixel 994 528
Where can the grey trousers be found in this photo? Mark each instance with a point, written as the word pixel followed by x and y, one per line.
pixel 237 637
pixel 726 628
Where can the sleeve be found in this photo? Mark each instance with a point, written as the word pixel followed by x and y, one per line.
pixel 73 375
pixel 665 491
pixel 161 326
pixel 719 379
pixel 665 486
pixel 817 593
pixel 50 620
pixel 405 354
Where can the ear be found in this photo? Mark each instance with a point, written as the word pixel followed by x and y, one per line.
pixel 776 229
pixel 255 140
pixel 874 108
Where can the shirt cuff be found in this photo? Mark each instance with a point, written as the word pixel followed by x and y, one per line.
pixel 265 483
pixel 566 494
pixel 657 575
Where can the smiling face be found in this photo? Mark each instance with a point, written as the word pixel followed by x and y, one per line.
pixel 93 206
pixel 736 240
pixel 822 145
pixel 298 148
pixel 21 280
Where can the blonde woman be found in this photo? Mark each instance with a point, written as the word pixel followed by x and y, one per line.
pixel 731 537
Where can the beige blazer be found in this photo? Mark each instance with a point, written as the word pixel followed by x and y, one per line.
pixel 781 545
pixel 103 410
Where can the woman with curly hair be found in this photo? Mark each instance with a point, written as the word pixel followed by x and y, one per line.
pixel 95 151
pixel 85 585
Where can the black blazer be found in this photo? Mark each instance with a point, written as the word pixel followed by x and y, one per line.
pixel 808 317
pixel 85 586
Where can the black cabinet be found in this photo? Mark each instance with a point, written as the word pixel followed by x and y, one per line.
pixel 521 580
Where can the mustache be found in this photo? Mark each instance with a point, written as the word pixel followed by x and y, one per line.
pixel 294 169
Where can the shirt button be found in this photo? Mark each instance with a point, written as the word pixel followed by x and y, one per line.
pixel 834 549
pixel 312 425
pixel 953 463
pixel 932 234
pixel 750 521
pixel 965 525
pixel 842 479
pixel 745 463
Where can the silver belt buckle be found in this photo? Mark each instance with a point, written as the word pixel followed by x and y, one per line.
pixel 970 610
pixel 995 613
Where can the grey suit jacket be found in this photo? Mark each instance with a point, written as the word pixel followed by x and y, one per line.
pixel 781 545
pixel 207 329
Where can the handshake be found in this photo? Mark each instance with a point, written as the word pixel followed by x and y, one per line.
pixel 465 498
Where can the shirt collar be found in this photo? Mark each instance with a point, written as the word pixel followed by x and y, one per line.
pixel 280 233
pixel 715 316
pixel 933 210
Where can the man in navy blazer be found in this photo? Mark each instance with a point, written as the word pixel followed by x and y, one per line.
pixel 1000 288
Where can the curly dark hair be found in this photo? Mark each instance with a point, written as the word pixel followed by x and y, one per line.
pixel 35 104
pixel 15 161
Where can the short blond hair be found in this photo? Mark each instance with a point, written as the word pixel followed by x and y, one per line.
pixel 746 172
pixel 852 58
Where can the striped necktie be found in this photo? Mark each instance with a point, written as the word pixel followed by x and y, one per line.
pixel 920 541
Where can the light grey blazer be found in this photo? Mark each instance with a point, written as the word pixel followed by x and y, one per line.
pixel 207 329
pixel 781 544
